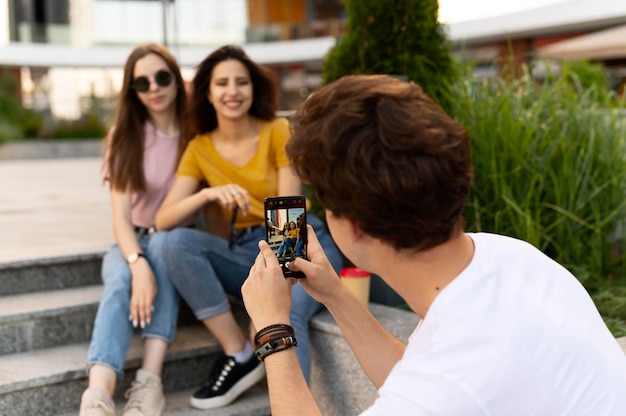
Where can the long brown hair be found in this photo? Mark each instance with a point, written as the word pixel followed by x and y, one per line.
pixel 125 149
pixel 264 99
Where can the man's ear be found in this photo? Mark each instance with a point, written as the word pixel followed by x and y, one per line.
pixel 355 230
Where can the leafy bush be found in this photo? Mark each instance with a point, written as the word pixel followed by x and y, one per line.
pixel 402 38
pixel 588 76
pixel 9 131
pixel 87 127
pixel 16 121
pixel 611 302
pixel 549 168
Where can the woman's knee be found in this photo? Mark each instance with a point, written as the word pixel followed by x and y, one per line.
pixel 172 242
pixel 157 241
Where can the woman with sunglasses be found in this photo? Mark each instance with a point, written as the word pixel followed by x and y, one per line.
pixel 142 151
pixel 239 151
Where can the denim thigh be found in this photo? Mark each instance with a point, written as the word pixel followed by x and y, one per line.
pixel 204 269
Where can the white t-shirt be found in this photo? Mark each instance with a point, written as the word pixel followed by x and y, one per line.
pixel 514 334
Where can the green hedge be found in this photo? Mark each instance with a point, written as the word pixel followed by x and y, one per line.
pixel 396 37
pixel 549 165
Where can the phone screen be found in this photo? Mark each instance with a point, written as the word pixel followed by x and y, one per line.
pixel 285 230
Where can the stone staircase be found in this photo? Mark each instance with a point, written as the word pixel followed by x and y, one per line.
pixel 47 309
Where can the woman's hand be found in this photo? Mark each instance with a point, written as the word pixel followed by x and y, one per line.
pixel 144 291
pixel 229 196
pixel 144 286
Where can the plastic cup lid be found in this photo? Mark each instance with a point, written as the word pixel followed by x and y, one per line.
pixel 353 272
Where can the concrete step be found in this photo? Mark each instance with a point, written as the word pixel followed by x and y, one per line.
pixel 47 319
pixel 51 381
pixel 49 274
pixel 254 402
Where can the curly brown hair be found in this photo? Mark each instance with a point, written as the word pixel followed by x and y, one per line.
pixel 264 100
pixel 379 151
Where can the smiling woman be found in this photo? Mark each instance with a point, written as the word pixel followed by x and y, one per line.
pixel 236 160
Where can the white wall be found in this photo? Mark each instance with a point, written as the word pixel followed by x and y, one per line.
pixel 4 22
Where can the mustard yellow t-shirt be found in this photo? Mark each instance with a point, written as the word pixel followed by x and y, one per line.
pixel 259 177
pixel 294 233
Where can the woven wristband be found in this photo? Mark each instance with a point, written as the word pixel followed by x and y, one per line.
pixel 272 332
pixel 275 345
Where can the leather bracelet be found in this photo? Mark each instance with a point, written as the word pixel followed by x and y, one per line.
pixel 272 337
pixel 274 346
pixel 272 331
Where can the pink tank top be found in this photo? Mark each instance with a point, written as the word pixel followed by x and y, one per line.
pixel 159 163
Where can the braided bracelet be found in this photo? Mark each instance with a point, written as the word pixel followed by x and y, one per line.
pixel 273 346
pixel 274 338
pixel 272 331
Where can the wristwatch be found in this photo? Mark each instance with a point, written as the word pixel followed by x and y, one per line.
pixel 133 257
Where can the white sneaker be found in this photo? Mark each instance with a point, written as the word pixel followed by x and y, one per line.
pixel 145 397
pixel 95 403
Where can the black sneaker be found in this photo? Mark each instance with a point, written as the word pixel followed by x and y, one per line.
pixel 227 380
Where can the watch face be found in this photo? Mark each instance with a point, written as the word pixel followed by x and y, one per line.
pixel 133 257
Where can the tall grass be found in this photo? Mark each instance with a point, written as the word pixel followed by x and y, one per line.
pixel 549 168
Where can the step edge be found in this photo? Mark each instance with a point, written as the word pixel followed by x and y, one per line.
pixel 51 261
pixel 73 372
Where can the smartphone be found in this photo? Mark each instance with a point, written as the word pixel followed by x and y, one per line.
pixel 285 230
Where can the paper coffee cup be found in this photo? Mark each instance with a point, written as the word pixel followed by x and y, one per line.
pixel 358 282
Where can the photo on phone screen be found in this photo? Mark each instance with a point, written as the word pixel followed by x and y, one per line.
pixel 285 230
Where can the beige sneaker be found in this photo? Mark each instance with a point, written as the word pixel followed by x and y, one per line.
pixel 95 403
pixel 145 397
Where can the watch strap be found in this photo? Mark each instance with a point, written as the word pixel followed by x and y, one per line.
pixel 134 257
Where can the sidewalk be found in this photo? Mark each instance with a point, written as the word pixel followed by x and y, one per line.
pixel 53 207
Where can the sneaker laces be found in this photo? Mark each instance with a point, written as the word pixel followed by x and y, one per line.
pixel 139 394
pixel 220 372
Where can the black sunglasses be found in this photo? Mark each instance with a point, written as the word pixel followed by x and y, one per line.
pixel 163 78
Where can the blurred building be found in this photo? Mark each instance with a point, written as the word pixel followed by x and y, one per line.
pixel 67 54
pixel 573 30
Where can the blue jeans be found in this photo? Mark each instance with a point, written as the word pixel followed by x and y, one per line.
pixel 287 244
pixel 112 331
pixel 204 270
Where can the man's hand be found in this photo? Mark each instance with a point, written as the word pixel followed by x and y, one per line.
pixel 321 282
pixel 266 293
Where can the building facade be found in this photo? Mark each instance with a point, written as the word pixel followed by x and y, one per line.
pixel 74 49
pixel 65 52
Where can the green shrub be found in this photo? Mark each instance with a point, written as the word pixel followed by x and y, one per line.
pixel 549 168
pixel 88 127
pixel 588 76
pixel 611 302
pixel 9 131
pixel 396 37
pixel 30 123
pixel 16 121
